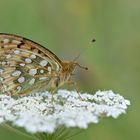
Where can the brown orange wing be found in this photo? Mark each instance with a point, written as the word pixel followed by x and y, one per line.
pixel 25 65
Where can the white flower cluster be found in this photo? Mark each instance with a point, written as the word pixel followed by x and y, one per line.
pixel 39 113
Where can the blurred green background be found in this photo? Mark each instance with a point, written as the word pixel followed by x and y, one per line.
pixel 67 27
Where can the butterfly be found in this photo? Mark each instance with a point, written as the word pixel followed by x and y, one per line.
pixel 26 67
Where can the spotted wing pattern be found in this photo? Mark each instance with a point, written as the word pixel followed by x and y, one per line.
pixel 25 66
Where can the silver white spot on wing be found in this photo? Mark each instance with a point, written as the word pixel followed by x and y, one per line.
pixel 33 56
pixel 21 79
pixel 16 73
pixel 8 56
pixel 1 79
pixel 41 71
pixel 16 41
pixel 33 72
pixel 1 71
pixel 19 88
pixel 22 64
pixel 2 62
pixel 28 60
pixel 32 81
pixel 43 78
pixel 43 63
pixel 17 51
pixel 49 70
pixel 57 67
pixel 6 40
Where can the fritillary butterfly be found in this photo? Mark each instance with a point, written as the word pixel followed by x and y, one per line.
pixel 26 67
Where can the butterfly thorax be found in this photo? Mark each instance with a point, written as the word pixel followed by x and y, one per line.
pixel 67 70
pixel 63 75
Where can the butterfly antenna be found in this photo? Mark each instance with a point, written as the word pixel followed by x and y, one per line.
pixel 77 57
pixel 81 66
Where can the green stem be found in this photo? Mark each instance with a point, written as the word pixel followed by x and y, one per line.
pixel 60 134
pixel 4 125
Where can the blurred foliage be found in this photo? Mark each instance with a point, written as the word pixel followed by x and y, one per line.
pixel 67 27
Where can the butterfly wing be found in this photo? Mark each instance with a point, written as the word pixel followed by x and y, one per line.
pixel 25 66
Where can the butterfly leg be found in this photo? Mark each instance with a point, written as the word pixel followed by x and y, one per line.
pixel 52 91
pixel 70 82
pixel 8 93
pixel 79 94
pixel 54 83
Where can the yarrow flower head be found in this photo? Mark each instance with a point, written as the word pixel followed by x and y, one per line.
pixel 38 113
